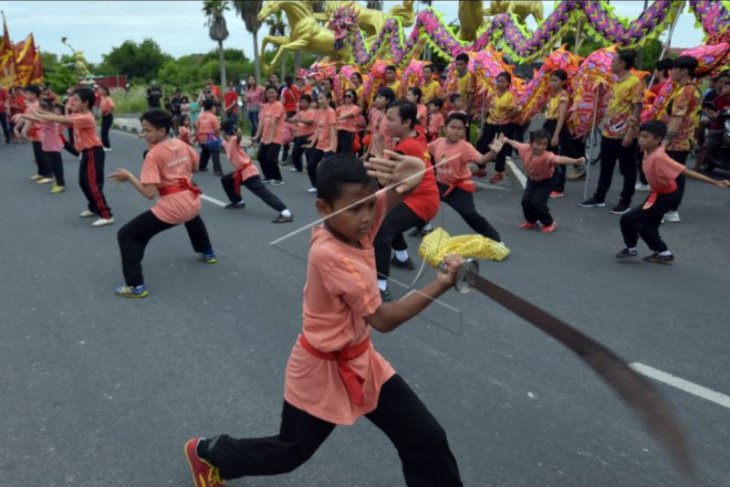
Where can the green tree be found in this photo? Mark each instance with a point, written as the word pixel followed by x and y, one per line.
pixel 57 75
pixel 137 61
pixel 649 54
pixel 249 11
pixel 217 30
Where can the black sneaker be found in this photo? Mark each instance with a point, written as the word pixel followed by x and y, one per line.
pixel 203 169
pixel 626 253
pixel 235 206
pixel 385 296
pixel 621 208
pixel 403 264
pixel 420 232
pixel 592 202
pixel 656 258
pixel 283 219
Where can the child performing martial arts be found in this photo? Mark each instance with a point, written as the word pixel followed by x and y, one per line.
pixel 167 170
pixel 247 174
pixel 334 375
pixel 661 171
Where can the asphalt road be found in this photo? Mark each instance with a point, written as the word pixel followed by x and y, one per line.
pixel 101 391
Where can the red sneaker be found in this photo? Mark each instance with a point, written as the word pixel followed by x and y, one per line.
pixel 550 228
pixel 527 225
pixel 481 173
pixel 204 474
pixel 497 178
pixel 557 194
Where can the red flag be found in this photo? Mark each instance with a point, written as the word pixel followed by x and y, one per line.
pixel 7 57
pixel 24 57
pixel 36 76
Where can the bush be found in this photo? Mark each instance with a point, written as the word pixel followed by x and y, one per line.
pixel 132 101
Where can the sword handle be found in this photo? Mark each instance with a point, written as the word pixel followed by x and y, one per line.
pixel 461 284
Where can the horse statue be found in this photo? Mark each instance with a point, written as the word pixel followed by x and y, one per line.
pixel 369 20
pixel 521 8
pixel 471 19
pixel 305 32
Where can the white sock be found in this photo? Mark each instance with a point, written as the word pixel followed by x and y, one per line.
pixel 427 227
pixel 401 255
pixel 383 284
pixel 666 253
pixel 286 213
pixel 631 249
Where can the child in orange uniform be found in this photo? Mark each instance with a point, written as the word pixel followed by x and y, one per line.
pixel 435 119
pixel 168 170
pixel 247 174
pixel 335 375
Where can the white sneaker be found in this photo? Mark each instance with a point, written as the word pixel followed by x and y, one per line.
pixel 44 180
pixel 312 190
pixel 87 214
pixel 101 222
pixel 672 217
pixel 642 187
pixel 107 149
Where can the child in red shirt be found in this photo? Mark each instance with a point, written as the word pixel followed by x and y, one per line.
pixel 661 171
pixel 247 174
pixel 29 126
pixel 541 178
pixel 335 375
pixel 435 119
pixel 414 96
pixel 168 170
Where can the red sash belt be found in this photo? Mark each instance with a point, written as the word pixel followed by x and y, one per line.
pixel 238 178
pixel 463 184
pixel 181 185
pixel 353 382
pixel 655 192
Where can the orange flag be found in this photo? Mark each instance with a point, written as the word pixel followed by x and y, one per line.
pixel 24 57
pixel 7 57
pixel 36 76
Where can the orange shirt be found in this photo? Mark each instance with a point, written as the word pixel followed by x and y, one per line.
pixel 34 132
pixel 167 163
pixel 302 129
pixel 422 114
pixel 348 124
pixel 457 169
pixel 424 200
pixel 341 289
pixel 685 104
pixel 326 119
pixel 435 124
pixel 660 169
pixel 269 114
pixel 207 126
pixel 239 159
pixel 84 129
pixel 538 168
pixel 184 134
pixel 107 105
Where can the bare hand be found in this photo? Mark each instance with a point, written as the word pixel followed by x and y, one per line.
pixel 497 143
pixel 554 141
pixel 120 175
pixel 725 183
pixel 406 172
pixel 580 161
pixel 449 269
pixel 627 141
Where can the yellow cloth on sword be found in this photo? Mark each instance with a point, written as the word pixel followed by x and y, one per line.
pixel 438 244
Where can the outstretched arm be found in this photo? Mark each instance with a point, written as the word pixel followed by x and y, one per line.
pixel 399 172
pixel 52 117
pixel 147 190
pixel 720 183
pixel 562 160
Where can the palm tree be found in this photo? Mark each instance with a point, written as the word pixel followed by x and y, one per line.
pixel 277 27
pixel 249 11
pixel 375 5
pixel 217 30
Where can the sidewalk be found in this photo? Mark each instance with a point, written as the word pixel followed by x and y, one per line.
pixel 128 123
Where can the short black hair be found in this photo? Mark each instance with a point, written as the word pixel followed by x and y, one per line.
pixel 33 89
pixel 723 75
pixel 46 104
pixel 686 62
pixel 86 95
pixel 560 74
pixel 158 118
pixel 208 104
pixel 337 170
pixel 656 128
pixel 537 135
pixel 664 65
pixel 462 57
pixel 229 127
pixel 416 91
pixel 407 111
pixel 436 101
pixel 390 67
pixel 306 97
pixel 353 93
pixel 505 75
pixel 458 116
pixel 386 92
pixel 628 57
pixel 272 87
pixel 453 97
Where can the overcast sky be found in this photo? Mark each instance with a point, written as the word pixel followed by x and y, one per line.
pixel 95 27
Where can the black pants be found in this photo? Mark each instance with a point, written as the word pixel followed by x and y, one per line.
pixel 106 125
pixel 390 236
pixel 56 163
pixel 345 140
pixel 269 161
pixel 134 236
pixel 205 155
pixel 298 151
pixel 417 436
pixel 567 146
pixel 611 149
pixel 535 199
pixel 254 185
pixel 463 202
pixel 68 145
pixel 5 125
pixel 44 167
pixel 313 159
pixel 680 157
pixel 91 181
pixel 488 133
pixel 286 147
pixel 639 222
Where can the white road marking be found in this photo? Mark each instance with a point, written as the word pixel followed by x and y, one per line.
pixel 213 200
pixel 681 384
pixel 518 174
